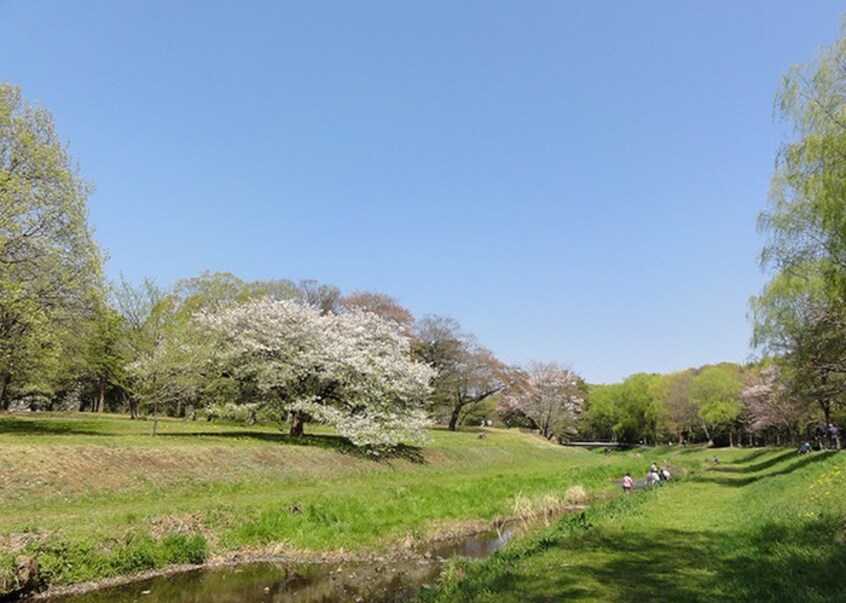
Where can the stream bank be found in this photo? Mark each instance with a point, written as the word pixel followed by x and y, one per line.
pixel 333 577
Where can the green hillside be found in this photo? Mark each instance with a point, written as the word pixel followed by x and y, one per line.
pixel 94 496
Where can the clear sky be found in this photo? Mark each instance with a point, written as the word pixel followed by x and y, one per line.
pixel 572 181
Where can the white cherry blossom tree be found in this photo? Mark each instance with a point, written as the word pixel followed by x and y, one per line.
pixel 353 370
pixel 549 395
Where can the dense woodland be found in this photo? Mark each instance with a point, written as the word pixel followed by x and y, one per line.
pixel 216 346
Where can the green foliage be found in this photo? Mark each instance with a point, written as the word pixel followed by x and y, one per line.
pixel 640 408
pixel 8 576
pixel 715 393
pixel 68 562
pixel 802 311
pixel 50 267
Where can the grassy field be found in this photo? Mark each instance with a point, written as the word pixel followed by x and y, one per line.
pixel 98 496
pixel 762 525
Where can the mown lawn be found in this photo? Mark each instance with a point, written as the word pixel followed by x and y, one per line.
pixel 98 496
pixel 762 525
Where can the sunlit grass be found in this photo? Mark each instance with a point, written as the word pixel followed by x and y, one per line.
pixel 755 527
pixel 90 494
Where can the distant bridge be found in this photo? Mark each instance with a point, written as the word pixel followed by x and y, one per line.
pixel 597 444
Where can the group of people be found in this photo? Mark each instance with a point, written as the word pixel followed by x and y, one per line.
pixel 653 476
pixel 821 434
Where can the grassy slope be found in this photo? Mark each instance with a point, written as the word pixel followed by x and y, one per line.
pixel 763 525
pixel 98 496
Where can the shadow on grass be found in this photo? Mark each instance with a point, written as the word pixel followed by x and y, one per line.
pixel 773 562
pixel 600 565
pixel 340 444
pixel 798 562
pixel 21 426
pixel 738 482
pixel 751 456
pixel 787 454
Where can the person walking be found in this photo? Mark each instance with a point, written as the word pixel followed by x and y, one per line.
pixel 628 483
pixel 834 436
pixel 819 436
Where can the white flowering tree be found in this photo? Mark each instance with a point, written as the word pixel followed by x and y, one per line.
pixel 549 395
pixel 353 371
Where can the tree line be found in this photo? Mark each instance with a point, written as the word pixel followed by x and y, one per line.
pixel 799 319
pixel 212 344
pixel 220 346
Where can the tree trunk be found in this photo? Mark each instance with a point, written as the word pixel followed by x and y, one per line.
pixel 731 439
pixel 453 419
pixel 297 422
pixel 133 408
pixel 4 390
pixel 101 401
pixel 707 435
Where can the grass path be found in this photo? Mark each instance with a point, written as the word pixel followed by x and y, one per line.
pixel 760 526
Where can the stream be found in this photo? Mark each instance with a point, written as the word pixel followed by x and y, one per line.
pixel 264 582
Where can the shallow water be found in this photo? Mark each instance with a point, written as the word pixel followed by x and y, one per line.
pixel 384 582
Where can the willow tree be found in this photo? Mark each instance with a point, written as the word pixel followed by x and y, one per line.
pixel 806 219
pixel 800 314
pixel 50 268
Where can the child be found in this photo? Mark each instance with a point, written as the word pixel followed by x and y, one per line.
pixel 627 483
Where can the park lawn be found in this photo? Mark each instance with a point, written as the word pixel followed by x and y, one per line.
pixel 98 496
pixel 762 525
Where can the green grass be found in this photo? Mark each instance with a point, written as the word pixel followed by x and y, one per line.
pixel 763 525
pixel 98 496
pixel 95 496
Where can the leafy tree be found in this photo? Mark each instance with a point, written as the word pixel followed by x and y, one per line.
pixel 603 412
pixel 800 315
pixel 215 290
pixel 640 410
pixel 466 373
pixel 105 354
pixel 50 267
pixel 147 316
pixel 806 220
pixel 715 392
pixel 681 413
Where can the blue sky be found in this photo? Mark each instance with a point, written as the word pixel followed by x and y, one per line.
pixel 572 181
